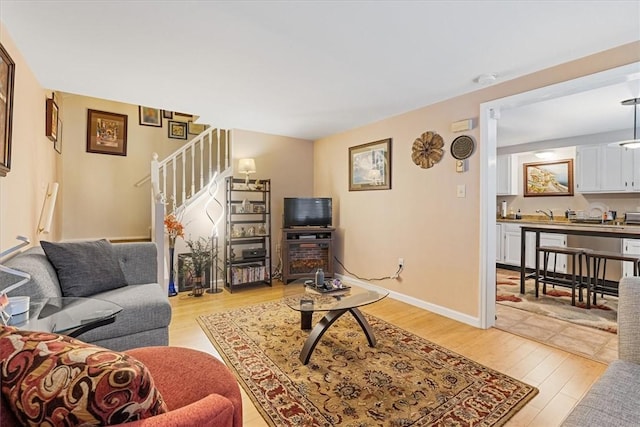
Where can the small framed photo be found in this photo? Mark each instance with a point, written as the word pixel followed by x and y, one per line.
pixel 51 114
pixel 548 178
pixel 167 114
pixel 370 166
pixel 106 133
pixel 258 208
pixel 177 130
pixel 149 116
pixel 195 128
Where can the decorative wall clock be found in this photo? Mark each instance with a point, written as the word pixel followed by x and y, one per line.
pixel 427 149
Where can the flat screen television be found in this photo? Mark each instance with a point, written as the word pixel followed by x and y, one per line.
pixel 307 212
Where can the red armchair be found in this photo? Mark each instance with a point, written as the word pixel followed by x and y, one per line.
pixel 198 389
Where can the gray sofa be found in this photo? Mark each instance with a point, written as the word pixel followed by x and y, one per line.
pixel 146 311
pixel 613 399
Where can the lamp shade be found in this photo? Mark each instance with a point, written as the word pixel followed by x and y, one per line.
pixel 247 166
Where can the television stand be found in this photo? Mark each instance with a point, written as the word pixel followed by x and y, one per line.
pixel 306 249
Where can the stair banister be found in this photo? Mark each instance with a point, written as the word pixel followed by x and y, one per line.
pixel 167 197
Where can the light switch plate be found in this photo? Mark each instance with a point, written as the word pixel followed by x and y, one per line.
pixel 462 190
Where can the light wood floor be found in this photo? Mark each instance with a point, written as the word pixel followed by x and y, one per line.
pixel 562 378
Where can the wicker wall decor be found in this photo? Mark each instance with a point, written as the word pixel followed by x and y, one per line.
pixel 427 149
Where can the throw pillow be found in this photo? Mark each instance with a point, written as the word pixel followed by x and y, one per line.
pixel 85 268
pixel 51 379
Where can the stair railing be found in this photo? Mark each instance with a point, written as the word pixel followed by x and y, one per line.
pixel 180 178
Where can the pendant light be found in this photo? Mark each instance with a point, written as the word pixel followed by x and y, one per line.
pixel 635 142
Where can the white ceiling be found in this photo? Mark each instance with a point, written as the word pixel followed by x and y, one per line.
pixel 309 69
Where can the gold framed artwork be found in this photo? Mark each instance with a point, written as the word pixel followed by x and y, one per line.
pixel 51 120
pixel 196 128
pixel 106 133
pixel 370 166
pixel 554 178
pixel 7 71
pixel 148 116
pixel 177 130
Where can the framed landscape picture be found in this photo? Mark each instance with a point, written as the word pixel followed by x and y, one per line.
pixel 370 166
pixel 548 178
pixel 7 70
pixel 150 116
pixel 177 130
pixel 196 128
pixel 106 133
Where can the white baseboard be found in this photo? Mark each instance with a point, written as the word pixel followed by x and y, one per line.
pixel 443 311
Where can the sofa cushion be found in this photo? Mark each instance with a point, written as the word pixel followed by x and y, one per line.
pixel 612 400
pixel 144 307
pixel 56 380
pixel 85 268
pixel 44 279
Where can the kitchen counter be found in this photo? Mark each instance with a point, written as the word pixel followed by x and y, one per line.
pixel 564 224
pixel 565 227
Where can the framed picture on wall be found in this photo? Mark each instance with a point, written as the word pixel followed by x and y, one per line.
pixel 149 116
pixel 167 114
pixel 370 166
pixel 548 178
pixel 195 128
pixel 57 144
pixel 106 133
pixel 51 117
pixel 177 130
pixel 7 70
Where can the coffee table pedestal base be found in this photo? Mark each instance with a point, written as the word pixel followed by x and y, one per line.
pixel 324 324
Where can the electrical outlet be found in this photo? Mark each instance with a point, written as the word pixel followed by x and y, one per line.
pixel 401 262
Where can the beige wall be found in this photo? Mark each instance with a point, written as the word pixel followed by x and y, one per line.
pixel 421 219
pixel 34 162
pixel 99 197
pixel 288 162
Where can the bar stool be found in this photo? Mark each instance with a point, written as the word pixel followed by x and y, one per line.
pixel 600 264
pixel 575 281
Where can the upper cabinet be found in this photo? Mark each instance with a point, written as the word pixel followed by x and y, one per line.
pixel 506 176
pixel 607 169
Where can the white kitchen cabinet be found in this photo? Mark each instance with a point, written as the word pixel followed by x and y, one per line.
pixel 587 169
pixel 511 238
pixel 629 247
pixel 499 256
pixel 506 176
pixel 606 169
pixel 511 244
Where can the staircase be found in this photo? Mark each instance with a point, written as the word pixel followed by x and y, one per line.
pixel 181 179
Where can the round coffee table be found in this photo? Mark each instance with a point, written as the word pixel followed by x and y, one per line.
pixel 336 301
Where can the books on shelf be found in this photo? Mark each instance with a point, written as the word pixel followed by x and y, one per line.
pixel 248 274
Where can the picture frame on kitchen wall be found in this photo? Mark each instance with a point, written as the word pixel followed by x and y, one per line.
pixel 148 116
pixel 553 178
pixel 7 71
pixel 106 133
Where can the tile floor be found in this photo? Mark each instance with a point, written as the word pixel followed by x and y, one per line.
pixel 584 341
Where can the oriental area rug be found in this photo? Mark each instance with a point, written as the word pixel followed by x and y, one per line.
pixel 404 381
pixel 556 303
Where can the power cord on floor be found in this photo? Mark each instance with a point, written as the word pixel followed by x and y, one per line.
pixel 371 279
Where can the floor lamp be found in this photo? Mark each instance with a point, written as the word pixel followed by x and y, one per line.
pixel 212 189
